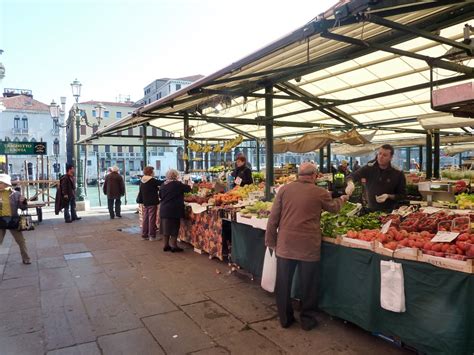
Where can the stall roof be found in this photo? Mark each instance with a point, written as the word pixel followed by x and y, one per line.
pixel 363 64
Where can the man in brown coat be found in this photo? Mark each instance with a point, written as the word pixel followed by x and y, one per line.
pixel 67 186
pixel 114 188
pixel 294 232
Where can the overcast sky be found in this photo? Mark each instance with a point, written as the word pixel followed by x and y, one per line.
pixel 117 47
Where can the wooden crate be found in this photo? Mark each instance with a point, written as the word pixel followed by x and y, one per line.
pixel 402 253
pixel 447 263
pixel 356 243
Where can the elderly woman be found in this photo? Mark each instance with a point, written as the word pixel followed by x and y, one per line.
pixel 10 202
pixel 148 196
pixel 242 173
pixel 172 209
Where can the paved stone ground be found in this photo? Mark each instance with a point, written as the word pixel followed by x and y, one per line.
pixel 132 298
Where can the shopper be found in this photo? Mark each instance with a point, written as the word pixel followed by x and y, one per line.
pixel 384 184
pixel 356 166
pixel 148 196
pixel 67 186
pixel 172 209
pixel 114 188
pixel 10 202
pixel 294 233
pixel 242 173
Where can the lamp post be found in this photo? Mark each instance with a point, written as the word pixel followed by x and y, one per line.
pixel 77 116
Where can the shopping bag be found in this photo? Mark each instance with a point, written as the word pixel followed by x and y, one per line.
pixel 392 290
pixel 25 222
pixel 269 271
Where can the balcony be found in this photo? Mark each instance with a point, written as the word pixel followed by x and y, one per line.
pixel 20 131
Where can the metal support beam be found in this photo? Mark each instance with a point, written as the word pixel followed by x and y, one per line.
pixel 419 33
pixel 145 156
pixel 429 157
pixel 321 160
pixel 328 159
pixel 436 155
pixel 257 143
pixel 408 151
pixel 432 62
pixel 269 176
pixel 420 157
pixel 236 130
pixel 186 141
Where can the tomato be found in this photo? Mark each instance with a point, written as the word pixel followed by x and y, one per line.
pixel 428 246
pixel 436 247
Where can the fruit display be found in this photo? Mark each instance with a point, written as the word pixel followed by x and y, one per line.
pixel 191 198
pixel 259 209
pixel 465 201
pixel 206 148
pixel 258 177
pixel 460 186
pixel 233 196
pixel 282 180
pixel 216 169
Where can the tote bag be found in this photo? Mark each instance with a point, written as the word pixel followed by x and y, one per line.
pixel 269 271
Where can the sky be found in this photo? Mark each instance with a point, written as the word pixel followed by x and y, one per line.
pixel 117 47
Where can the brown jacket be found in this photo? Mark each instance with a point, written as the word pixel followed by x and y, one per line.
pixel 293 226
pixel 114 186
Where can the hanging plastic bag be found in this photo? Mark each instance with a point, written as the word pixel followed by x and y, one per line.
pixel 269 271
pixel 392 290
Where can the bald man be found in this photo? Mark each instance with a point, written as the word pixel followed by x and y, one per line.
pixel 294 232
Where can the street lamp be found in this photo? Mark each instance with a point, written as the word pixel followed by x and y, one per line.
pixel 78 116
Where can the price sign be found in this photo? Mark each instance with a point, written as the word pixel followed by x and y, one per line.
pixel 430 210
pixel 386 226
pixel 238 181
pixel 444 237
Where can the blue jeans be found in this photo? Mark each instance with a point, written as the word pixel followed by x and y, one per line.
pixel 71 204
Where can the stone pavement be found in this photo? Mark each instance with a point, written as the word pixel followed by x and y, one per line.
pixel 129 297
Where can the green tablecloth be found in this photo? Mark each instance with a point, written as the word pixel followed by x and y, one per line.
pixel 440 303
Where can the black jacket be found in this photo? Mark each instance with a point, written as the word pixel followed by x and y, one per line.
pixel 245 174
pixel 172 199
pixel 148 191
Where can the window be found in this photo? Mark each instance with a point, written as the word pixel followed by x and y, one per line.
pixel 83 129
pixel 130 149
pixel 16 122
pixel 16 139
pixel 94 113
pixel 107 148
pixel 95 148
pixel 130 131
pixel 158 96
pixel 131 165
pixel 55 126
pixel 118 115
pixel 178 86
pixel 83 148
pixel 25 139
pixel 106 114
pixel 7 139
pixel 89 162
pixel 33 140
pixel 24 122
pixel 119 149
pixel 154 132
pixel 56 147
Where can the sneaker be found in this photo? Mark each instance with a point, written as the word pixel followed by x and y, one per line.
pixel 68 221
pixel 152 239
pixel 77 219
pixel 27 261
pixel 145 238
pixel 118 216
pixel 176 249
pixel 167 248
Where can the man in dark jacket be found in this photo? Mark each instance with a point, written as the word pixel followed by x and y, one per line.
pixel 67 186
pixel 114 188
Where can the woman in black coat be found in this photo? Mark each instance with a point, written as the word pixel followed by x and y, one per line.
pixel 242 173
pixel 172 209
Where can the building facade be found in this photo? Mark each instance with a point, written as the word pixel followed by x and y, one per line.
pixel 28 120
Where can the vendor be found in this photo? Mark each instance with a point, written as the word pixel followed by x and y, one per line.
pixel 344 168
pixel 242 173
pixel 385 185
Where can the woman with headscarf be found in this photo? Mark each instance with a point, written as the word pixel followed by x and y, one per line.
pixel 172 209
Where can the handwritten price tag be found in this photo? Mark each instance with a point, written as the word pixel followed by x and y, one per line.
pixel 238 181
pixel 444 237
pixel 386 226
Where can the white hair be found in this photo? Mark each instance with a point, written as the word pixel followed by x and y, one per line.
pixel 172 174
pixel 307 169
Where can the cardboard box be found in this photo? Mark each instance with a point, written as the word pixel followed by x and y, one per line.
pixel 336 240
pixel 402 253
pixel 356 243
pixel 452 264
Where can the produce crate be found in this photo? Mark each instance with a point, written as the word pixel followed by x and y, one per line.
pixel 336 240
pixel 259 223
pixel 356 243
pixel 447 263
pixel 402 253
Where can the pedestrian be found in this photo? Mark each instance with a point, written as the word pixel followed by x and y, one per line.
pixel 356 166
pixel 242 173
pixel 67 186
pixel 114 188
pixel 148 196
pixel 384 184
pixel 294 233
pixel 172 209
pixel 10 202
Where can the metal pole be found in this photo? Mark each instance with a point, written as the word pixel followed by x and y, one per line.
pixel 145 161
pixel 98 177
pixel 186 137
pixel 408 158
pixel 269 176
pixel 257 142
pixel 79 191
pixel 420 156
pixel 436 155
pixel 7 167
pixel 27 178
pixel 37 177
pixel 429 157
pixel 47 177
pixel 321 160
pixel 460 160
pixel 328 159
pixel 85 170
pixel 124 178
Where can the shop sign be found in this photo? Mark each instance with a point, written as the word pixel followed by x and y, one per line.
pixel 23 148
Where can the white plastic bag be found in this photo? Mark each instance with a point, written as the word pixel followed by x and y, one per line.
pixel 392 290
pixel 269 271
